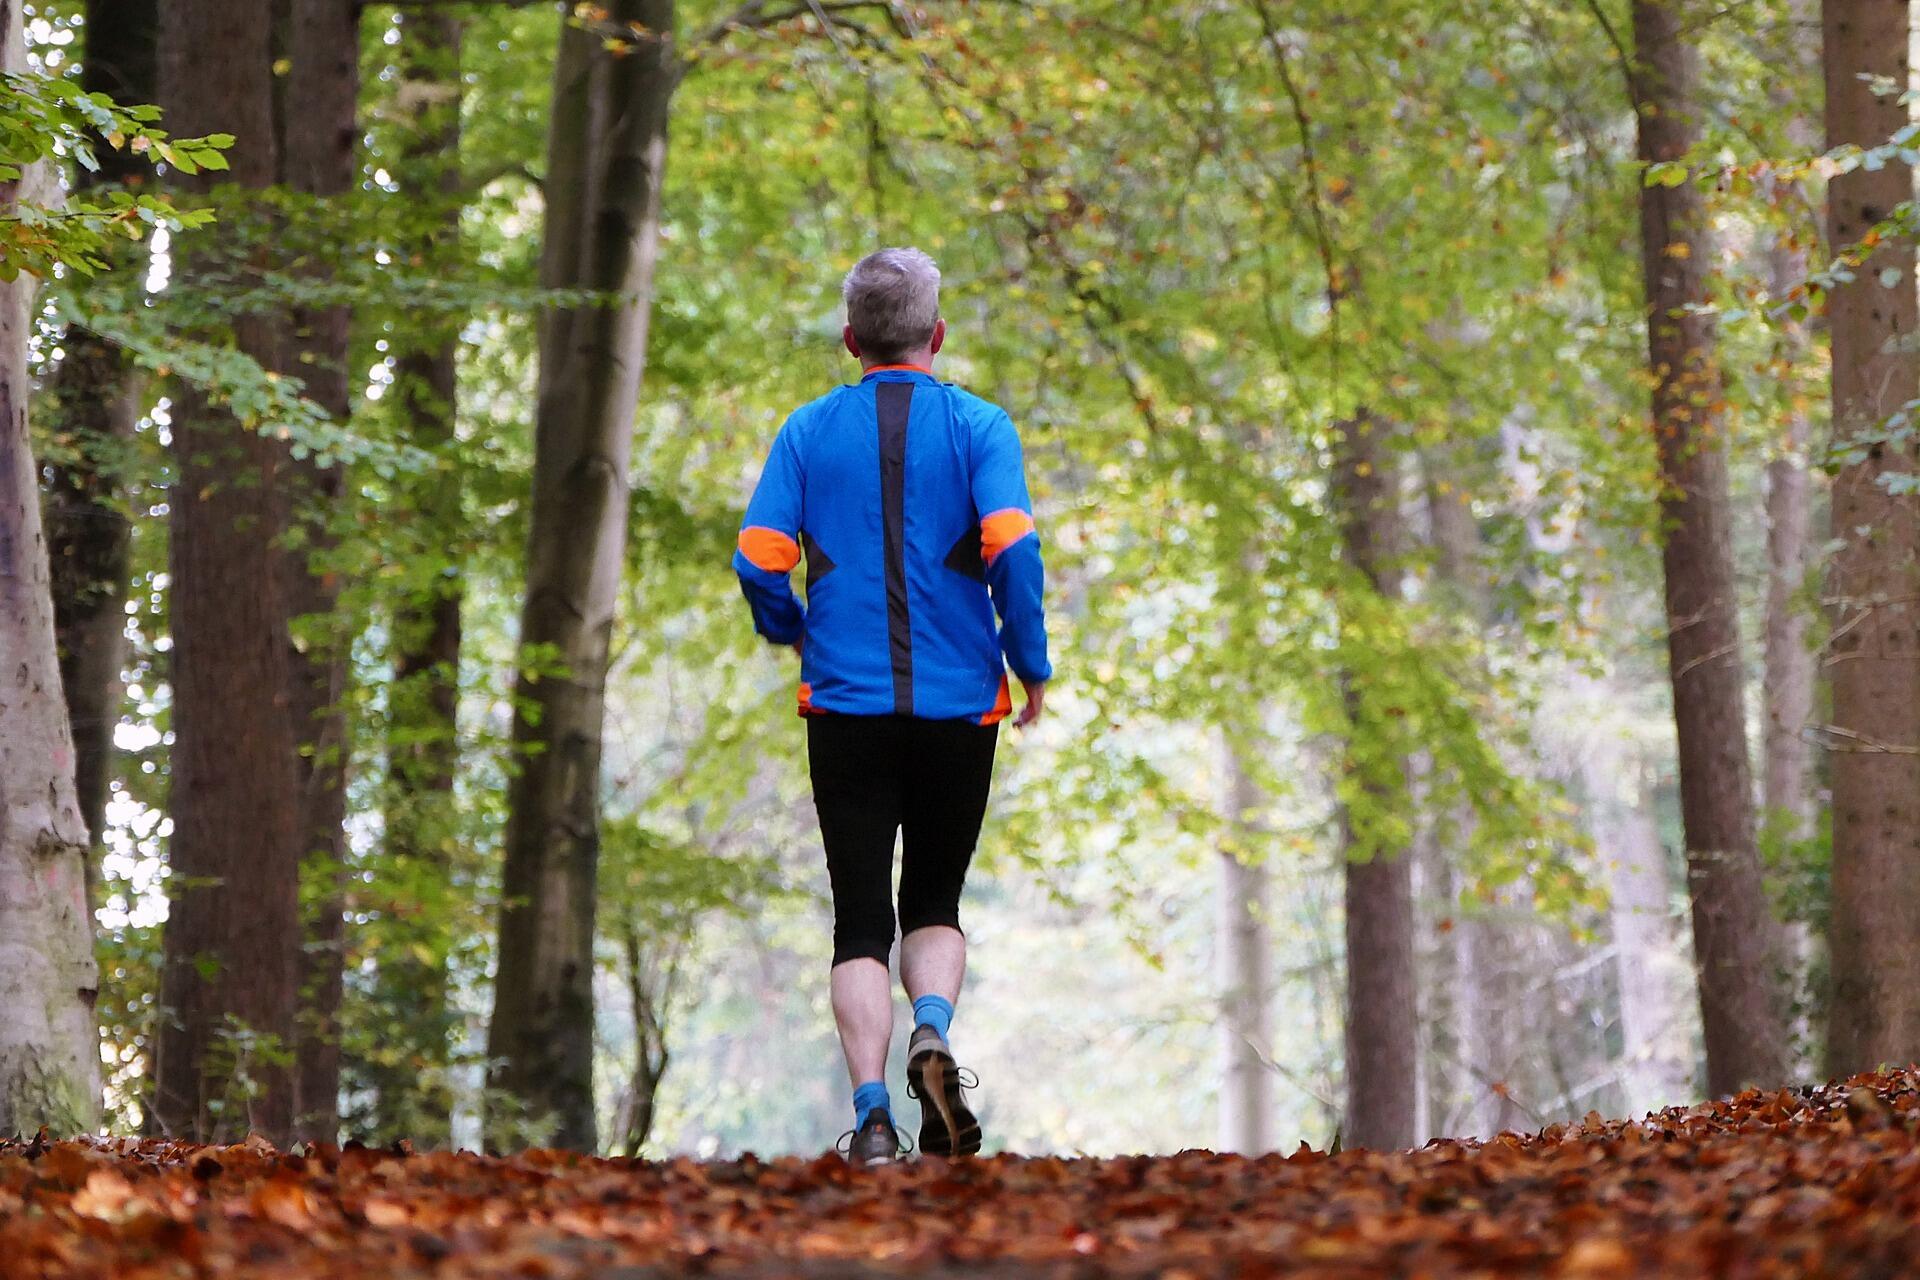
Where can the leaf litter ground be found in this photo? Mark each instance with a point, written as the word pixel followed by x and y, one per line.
pixel 1814 1182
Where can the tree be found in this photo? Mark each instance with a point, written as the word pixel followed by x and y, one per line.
pixel 1789 683
pixel 412 1097
pixel 49 1058
pixel 95 395
pixel 1734 934
pixel 232 944
pixel 1873 579
pixel 605 163
pixel 317 120
pixel 1382 1017
pixel 1244 964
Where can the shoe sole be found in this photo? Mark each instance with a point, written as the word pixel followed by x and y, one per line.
pixel 947 1127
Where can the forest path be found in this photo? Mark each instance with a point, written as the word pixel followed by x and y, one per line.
pixel 1817 1181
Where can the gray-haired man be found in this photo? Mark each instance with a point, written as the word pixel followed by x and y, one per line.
pixel 908 499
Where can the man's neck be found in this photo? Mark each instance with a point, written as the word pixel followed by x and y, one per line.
pixel 921 359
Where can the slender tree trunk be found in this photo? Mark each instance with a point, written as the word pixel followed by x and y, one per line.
pixel 606 157
pixel 229 982
pixel 649 989
pixel 1875 663
pixel 1734 932
pixel 1656 1026
pixel 95 395
pixel 1790 681
pixel 1485 959
pixel 1382 1014
pixel 1786 782
pixel 412 1084
pixel 320 43
pixel 1245 967
pixel 49 1050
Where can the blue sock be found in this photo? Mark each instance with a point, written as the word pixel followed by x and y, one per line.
pixel 868 1098
pixel 935 1012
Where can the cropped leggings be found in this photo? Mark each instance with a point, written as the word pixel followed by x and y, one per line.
pixel 875 777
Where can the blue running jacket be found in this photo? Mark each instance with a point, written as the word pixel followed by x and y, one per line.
pixel 908 499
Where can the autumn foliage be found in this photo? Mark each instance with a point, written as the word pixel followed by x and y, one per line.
pixel 1820 1181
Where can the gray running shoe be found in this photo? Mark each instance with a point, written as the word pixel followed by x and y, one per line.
pixel 947 1126
pixel 874 1143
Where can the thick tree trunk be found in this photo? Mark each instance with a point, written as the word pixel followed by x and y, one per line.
pixel 1875 663
pixel 411 1082
pixel 1382 1014
pixel 318 116
pixel 1245 967
pixel 1734 932
pixel 606 157
pixel 229 983
pixel 49 1050
pixel 95 394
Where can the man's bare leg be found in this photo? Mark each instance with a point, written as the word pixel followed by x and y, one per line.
pixel 933 962
pixel 863 1010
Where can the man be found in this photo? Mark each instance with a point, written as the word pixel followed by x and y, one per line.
pixel 908 499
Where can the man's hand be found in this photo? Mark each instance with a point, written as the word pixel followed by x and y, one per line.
pixel 1036 703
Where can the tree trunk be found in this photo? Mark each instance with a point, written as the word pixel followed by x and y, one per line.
pixel 606 156
pixel 229 982
pixel 318 119
pixel 95 394
pixel 1656 1029
pixel 1734 932
pixel 1484 938
pixel 1382 1014
pixel 1786 782
pixel 411 1081
pixel 1245 967
pixel 649 991
pixel 49 1049
pixel 1875 663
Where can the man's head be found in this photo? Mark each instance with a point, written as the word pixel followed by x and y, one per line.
pixel 893 308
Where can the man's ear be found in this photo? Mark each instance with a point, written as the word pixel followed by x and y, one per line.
pixel 939 336
pixel 853 343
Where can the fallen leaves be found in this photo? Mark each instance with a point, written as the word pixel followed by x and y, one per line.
pixel 1791 1183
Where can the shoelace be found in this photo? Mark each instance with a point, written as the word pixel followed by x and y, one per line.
pixel 967 1080
pixel 902 1145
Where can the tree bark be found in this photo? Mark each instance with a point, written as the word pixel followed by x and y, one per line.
pixel 1382 1014
pixel 1875 653
pixel 1734 933
pixel 1485 940
pixel 49 1049
pixel 318 132
pixel 606 156
pixel 1790 672
pixel 95 395
pixel 1245 967
pixel 1656 1030
pixel 229 981
pixel 413 1097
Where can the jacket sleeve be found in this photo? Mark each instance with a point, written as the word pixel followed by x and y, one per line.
pixel 769 545
pixel 1011 547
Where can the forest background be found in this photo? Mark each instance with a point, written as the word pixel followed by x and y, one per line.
pixel 426 780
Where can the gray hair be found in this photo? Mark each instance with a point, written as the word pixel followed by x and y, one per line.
pixel 893 302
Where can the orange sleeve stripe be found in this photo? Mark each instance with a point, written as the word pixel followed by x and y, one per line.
pixel 769 549
pixel 1001 530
